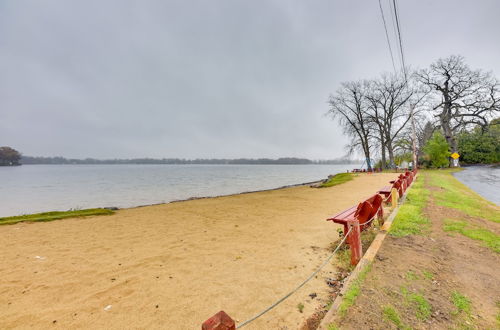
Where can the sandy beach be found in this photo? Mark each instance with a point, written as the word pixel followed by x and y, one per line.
pixel 172 266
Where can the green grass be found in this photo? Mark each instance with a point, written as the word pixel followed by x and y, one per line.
pixel 410 219
pixel 457 196
pixel 353 291
pixel 333 326
pixel 411 275
pixel 300 307
pixel 461 302
pixel 344 253
pixel 498 314
pixel 344 259
pixel 428 275
pixel 391 314
pixel 337 179
pixel 50 216
pixel 423 308
pixel 488 238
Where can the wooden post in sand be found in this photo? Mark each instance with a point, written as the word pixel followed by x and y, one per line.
pixel 220 321
pixel 394 198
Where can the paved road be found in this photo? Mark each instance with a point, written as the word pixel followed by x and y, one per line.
pixel 485 180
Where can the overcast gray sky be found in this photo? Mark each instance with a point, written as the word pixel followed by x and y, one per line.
pixel 214 78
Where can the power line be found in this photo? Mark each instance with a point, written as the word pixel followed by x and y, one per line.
pixel 396 15
pixel 394 30
pixel 387 35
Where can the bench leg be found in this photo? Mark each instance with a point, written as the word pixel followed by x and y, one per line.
pixel 354 240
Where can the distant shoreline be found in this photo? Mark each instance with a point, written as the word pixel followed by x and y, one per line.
pixel 29 160
pixel 173 164
pixel 101 181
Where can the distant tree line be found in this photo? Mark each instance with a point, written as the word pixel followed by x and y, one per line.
pixel 178 161
pixel 9 156
pixel 448 98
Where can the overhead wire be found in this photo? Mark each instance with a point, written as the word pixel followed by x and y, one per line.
pixel 387 35
pixel 398 26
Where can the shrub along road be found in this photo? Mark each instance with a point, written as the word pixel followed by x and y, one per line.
pixel 439 266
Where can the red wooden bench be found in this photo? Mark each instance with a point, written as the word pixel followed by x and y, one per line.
pixel 401 176
pixel 386 191
pixel 363 213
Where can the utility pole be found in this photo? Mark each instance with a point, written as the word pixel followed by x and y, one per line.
pixel 414 137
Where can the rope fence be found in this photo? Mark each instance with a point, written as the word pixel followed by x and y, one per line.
pixel 353 235
pixel 299 286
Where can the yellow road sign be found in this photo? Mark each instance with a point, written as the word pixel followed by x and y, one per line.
pixel 455 155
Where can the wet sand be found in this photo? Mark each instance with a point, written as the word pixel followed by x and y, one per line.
pixel 172 266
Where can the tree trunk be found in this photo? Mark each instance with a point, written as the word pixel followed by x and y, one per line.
pixel 366 150
pixel 445 119
pixel 384 161
pixel 391 154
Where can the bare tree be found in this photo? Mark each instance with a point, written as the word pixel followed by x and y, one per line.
pixel 348 105
pixel 462 96
pixel 423 132
pixel 390 100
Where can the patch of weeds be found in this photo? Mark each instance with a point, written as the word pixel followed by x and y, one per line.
pixel 344 259
pixel 428 275
pixel 353 291
pixel 337 179
pixel 333 326
pixel 367 237
pixel 461 302
pixel 392 315
pixel 411 275
pixel 344 253
pixel 454 194
pixel 423 308
pixel 488 238
pixel 498 314
pixel 51 216
pixel 300 307
pixel 410 219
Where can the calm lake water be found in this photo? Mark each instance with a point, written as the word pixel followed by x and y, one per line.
pixel 484 180
pixel 40 188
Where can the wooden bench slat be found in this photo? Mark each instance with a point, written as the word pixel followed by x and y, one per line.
pixel 349 213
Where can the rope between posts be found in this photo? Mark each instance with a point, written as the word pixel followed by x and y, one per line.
pixel 373 218
pixel 298 287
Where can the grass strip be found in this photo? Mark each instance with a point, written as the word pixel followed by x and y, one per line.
pixel 51 216
pixel 353 291
pixel 488 238
pixel 454 194
pixel 392 315
pixel 461 302
pixel 423 308
pixel 337 179
pixel 410 219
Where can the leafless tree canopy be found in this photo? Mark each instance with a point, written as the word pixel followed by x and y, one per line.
pixel 348 106
pixel 376 113
pixel 461 96
pixel 391 99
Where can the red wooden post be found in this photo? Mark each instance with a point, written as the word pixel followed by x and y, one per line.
pixel 220 321
pixel 354 240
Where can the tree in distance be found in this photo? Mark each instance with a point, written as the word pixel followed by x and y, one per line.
pixel 436 150
pixel 9 156
pixel 461 97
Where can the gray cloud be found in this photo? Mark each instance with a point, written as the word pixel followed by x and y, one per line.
pixel 207 78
